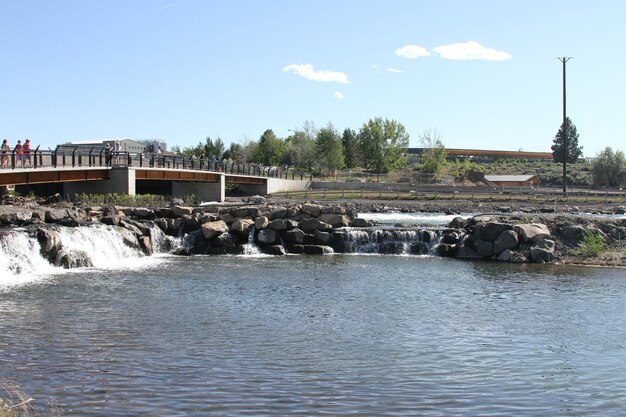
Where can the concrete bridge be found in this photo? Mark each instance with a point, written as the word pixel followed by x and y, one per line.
pixel 71 172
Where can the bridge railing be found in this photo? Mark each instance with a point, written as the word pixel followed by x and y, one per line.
pixel 80 157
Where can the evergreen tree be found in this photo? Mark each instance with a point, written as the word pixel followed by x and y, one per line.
pixel 573 150
pixel 350 148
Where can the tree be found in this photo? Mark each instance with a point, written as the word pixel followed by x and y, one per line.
pixel 300 147
pixel 383 144
pixel 350 148
pixel 328 149
pixel 609 168
pixel 434 154
pixel 573 150
pixel 270 149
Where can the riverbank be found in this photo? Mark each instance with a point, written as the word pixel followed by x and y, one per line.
pixel 482 229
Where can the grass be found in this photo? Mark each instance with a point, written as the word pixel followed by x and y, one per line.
pixel 593 244
pixel 15 403
pixel 139 200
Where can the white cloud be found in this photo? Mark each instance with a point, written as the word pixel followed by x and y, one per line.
pixel 338 95
pixel 374 66
pixel 471 50
pixel 412 51
pixel 307 71
pixel 394 70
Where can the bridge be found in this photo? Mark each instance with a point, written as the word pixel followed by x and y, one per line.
pixel 73 171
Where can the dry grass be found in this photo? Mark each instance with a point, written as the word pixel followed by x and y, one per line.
pixel 15 403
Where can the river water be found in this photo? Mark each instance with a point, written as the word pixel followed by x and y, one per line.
pixel 340 335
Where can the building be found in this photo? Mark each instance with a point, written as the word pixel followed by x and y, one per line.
pixel 481 155
pixel 513 180
pixel 127 145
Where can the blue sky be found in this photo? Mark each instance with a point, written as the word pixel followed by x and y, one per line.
pixel 182 70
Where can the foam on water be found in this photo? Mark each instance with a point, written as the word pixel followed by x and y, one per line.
pixel 410 218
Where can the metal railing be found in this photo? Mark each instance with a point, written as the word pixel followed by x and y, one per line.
pixel 78 157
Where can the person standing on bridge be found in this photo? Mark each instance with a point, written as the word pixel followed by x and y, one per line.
pixel 19 153
pixel 26 149
pixel 5 149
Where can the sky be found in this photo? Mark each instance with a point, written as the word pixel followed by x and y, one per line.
pixel 481 74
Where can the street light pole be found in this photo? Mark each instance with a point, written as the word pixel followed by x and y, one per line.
pixel 564 61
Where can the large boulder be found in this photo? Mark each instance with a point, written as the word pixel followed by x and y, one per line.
pixel 278 225
pixel 213 229
pixel 532 232
pixel 278 213
pixel 490 231
pixel 49 243
pixel 241 227
pixel 261 222
pixel 322 237
pixel 313 210
pixel 483 247
pixel 310 224
pixel 55 215
pixel 465 252
pixel 266 236
pixel 359 222
pixel 178 211
pixel 572 234
pixel 74 259
pixel 335 219
pixel 507 240
pixel 294 236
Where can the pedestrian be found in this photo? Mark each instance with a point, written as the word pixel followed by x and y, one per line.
pixel 5 149
pixel 19 153
pixel 26 149
pixel 107 154
pixel 118 150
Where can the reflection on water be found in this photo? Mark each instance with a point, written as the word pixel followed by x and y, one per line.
pixel 331 335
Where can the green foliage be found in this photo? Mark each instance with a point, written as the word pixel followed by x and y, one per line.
pixel 592 244
pixel 609 168
pixel 125 200
pixel 434 156
pixel 350 148
pixel 329 149
pixel 208 148
pixel 459 168
pixel 550 173
pixel 270 149
pixel 300 147
pixel 383 144
pixel 573 150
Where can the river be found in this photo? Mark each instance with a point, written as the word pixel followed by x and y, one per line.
pixel 340 335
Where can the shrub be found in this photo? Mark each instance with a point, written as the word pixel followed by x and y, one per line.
pixel 592 245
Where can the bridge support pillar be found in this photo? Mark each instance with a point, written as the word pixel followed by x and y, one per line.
pixel 121 181
pixel 205 191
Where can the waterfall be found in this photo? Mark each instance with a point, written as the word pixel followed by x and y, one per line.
pixel 251 248
pixel 386 241
pixel 20 259
pixel 100 246
pixel 162 243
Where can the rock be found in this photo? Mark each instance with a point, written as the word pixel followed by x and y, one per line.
pixel 445 249
pixel 173 226
pixel 311 209
pixel 310 224
pixel 266 236
pixel 227 218
pixel 450 237
pixel 278 225
pixel 191 222
pixel 359 222
pixel 490 231
pixel 531 233
pixel 213 229
pixel 163 212
pixel 275 250
pixel 226 240
pixel 178 210
pixel 540 255
pixel 428 236
pixel 278 213
pixel 316 249
pixel 332 210
pixel 572 234
pixel 245 212
pixel 505 255
pixel 146 245
pixel 74 259
pixel 518 258
pixel 261 222
pixel 241 227
pixel 162 224
pixel 335 219
pixel 144 229
pixel 182 251
pixel 143 213
pixel 465 252
pixel 128 237
pixel 458 223
pixel 49 243
pixel 111 219
pixel 257 200
pixel 55 216
pixel 507 240
pixel 483 247
pixel 294 236
pixel 547 244
pixel 322 237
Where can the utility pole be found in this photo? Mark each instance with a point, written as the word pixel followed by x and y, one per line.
pixel 564 60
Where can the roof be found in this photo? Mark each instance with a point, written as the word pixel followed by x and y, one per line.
pixel 509 178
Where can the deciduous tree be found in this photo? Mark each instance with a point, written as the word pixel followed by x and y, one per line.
pixel 383 144
pixel 328 149
pixel 609 168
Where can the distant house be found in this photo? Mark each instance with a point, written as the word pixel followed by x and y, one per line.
pixel 513 180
